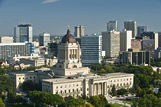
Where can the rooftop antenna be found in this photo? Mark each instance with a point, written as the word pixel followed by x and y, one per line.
pixel 17 22
pixel 68 27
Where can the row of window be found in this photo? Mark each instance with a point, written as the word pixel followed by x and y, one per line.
pixel 26 78
pixel 68 86
pixel 70 90
pixel 122 79
pixel 122 84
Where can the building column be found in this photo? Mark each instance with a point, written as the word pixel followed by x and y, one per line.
pixel 105 88
pixel 97 88
pixel 92 90
pixel 102 89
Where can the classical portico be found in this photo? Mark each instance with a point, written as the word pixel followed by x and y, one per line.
pixel 99 88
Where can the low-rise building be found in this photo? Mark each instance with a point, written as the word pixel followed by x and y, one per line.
pixel 12 49
pixel 134 56
pixel 6 39
pixel 33 62
pixel 87 85
pixel 15 59
pixel 19 77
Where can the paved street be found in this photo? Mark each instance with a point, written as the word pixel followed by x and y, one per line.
pixel 119 100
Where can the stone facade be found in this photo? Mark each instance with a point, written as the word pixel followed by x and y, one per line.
pixel 89 85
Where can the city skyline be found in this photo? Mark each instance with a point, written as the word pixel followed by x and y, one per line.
pixel 55 15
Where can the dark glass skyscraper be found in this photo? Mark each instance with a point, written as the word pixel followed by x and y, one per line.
pixel 23 33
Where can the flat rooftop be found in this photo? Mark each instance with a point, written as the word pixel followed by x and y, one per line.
pixel 94 76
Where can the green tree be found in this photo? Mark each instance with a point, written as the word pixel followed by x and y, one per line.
pixel 5 84
pixel 113 91
pixel 108 69
pixel 121 91
pixel 1 103
pixel 95 100
pixel 98 101
pixel 89 105
pixel 103 99
pixel 28 85
pixel 44 99
pixel 149 100
pixel 102 71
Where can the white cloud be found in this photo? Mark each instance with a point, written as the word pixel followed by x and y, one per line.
pixel 49 1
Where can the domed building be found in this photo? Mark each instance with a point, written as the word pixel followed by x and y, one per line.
pixel 69 62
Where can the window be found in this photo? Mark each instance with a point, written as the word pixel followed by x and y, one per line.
pixel 73 90
pixel 65 91
pixel 69 91
pixel 75 66
pixel 19 78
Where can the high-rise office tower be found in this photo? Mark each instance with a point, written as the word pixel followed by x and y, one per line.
pixel 79 31
pixel 125 40
pixel 152 35
pixel 111 43
pixel 23 33
pixel 91 49
pixel 141 29
pixel 112 25
pixel 131 25
pixel 159 39
pixel 44 39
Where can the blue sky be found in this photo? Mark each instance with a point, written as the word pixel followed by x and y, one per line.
pixel 53 16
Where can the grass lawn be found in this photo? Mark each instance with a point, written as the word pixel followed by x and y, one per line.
pixel 128 102
pixel 118 105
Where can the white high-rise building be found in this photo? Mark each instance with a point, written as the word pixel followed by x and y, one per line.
pixel 79 31
pixel 125 40
pixel 23 33
pixel 91 49
pixel 111 43
pixel 131 25
pixel 44 39
pixel 112 25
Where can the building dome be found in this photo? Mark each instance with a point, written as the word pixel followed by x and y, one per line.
pixel 68 38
